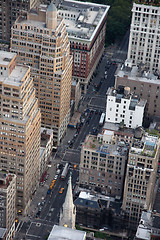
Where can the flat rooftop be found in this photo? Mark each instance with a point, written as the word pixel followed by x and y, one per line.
pixel 6 57
pixel 85 20
pixel 91 142
pixel 37 24
pixel 16 76
pixel 116 128
pixel 82 19
pixel 45 136
pixel 137 74
pixel 64 233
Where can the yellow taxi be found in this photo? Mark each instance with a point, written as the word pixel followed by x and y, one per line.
pixel 61 190
pixel 75 166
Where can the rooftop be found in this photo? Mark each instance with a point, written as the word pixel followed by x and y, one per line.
pixel 6 57
pixel 22 20
pixel 5 179
pixel 124 93
pixel 85 19
pixel 91 142
pixel 82 19
pixel 137 73
pixel 149 224
pixel 116 128
pixel 97 201
pixel 45 136
pixel 16 76
pixel 147 146
pixel 64 233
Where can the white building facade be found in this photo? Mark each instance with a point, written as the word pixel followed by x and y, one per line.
pixel 122 106
pixel 144 35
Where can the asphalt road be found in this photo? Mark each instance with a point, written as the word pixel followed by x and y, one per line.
pixel 39 228
pixel 40 225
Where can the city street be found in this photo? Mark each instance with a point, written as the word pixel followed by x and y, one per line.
pixel 45 208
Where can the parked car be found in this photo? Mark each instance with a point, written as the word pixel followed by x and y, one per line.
pixel 56 176
pixel 58 171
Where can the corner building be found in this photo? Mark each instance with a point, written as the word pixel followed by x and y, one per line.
pixel 20 127
pixel 140 177
pixel 9 11
pixel 86 28
pixel 41 41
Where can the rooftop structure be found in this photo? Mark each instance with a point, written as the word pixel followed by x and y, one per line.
pixel 149 226
pixel 60 233
pixel 85 19
pixel 143 83
pixel 147 146
pixel 124 106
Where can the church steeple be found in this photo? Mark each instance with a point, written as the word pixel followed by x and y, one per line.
pixel 68 212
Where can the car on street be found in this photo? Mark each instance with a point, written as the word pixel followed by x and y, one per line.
pixel 49 191
pixel 61 190
pixel 58 171
pixel 43 202
pixel 75 166
pixel 56 176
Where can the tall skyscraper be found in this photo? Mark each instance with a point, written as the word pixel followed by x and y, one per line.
pixel 41 41
pixel 9 11
pixel 7 203
pixel 20 122
pixel 140 177
pixel 144 39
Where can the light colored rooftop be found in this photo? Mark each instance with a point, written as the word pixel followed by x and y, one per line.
pixel 108 132
pixel 6 57
pixel 136 74
pixel 33 23
pixel 46 131
pixel 82 19
pixel 87 195
pixel 134 99
pixel 88 17
pixel 91 142
pixel 15 78
pixel 64 233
